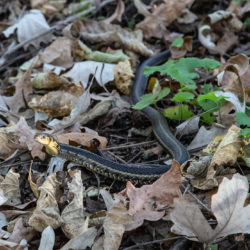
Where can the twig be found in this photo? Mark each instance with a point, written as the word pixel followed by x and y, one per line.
pixel 117 157
pixel 130 146
pixel 152 242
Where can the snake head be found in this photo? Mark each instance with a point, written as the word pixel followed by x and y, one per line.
pixel 51 145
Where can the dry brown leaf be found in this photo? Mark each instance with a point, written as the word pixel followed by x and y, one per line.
pixel 58 53
pixel 73 218
pixel 150 201
pixel 47 211
pixel 48 80
pixel 22 232
pixel 227 206
pixel 83 139
pixel 23 90
pixel 10 188
pixel 154 25
pixel 117 15
pixel 123 75
pixel 102 32
pixel 187 17
pixel 114 225
pixel 181 51
pixel 55 104
pixel 226 38
pixel 33 185
pixel 228 149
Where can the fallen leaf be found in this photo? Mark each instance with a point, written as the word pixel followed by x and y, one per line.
pixel 48 239
pixel 102 32
pixel 154 25
pixel 227 206
pixel 83 241
pixel 117 15
pixel 73 218
pixel 32 24
pixel 10 188
pixel 151 201
pixel 123 75
pixel 58 53
pixel 190 126
pixel 47 211
pixel 23 90
pixel 178 52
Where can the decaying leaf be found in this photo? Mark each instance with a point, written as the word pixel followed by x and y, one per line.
pixel 73 218
pixel 32 24
pixel 48 80
pixel 10 188
pixel 123 75
pixel 207 31
pixel 150 201
pixel 58 53
pixel 23 90
pixel 102 32
pixel 154 25
pixel 227 206
pixel 47 211
pixel 178 52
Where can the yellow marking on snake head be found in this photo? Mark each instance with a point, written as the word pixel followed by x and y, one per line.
pixel 51 145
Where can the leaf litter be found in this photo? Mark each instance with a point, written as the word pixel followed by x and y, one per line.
pixel 74 81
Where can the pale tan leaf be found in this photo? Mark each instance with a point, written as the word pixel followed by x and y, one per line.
pixel 83 241
pixel 227 207
pixel 73 217
pixel 123 77
pixel 10 188
pixel 150 201
pixel 47 211
pixel 58 53
pixel 117 15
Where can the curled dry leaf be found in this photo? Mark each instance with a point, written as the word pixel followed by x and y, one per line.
pixel 154 24
pixel 10 188
pixel 228 38
pixel 48 80
pixel 150 201
pixel 117 15
pixel 227 206
pixel 22 92
pixel 73 214
pixel 102 32
pixel 58 53
pixel 32 24
pixel 47 211
pixel 123 75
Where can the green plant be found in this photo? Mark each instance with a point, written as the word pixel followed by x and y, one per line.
pixel 178 42
pixel 182 70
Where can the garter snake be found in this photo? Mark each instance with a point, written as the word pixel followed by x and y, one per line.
pixel 136 173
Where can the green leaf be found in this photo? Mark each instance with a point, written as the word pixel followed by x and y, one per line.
pixel 145 101
pixel 163 93
pixel 245 132
pixel 183 97
pixel 243 119
pixel 207 118
pixel 182 70
pixel 180 112
pixel 210 102
pixel 178 42
pixel 206 88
